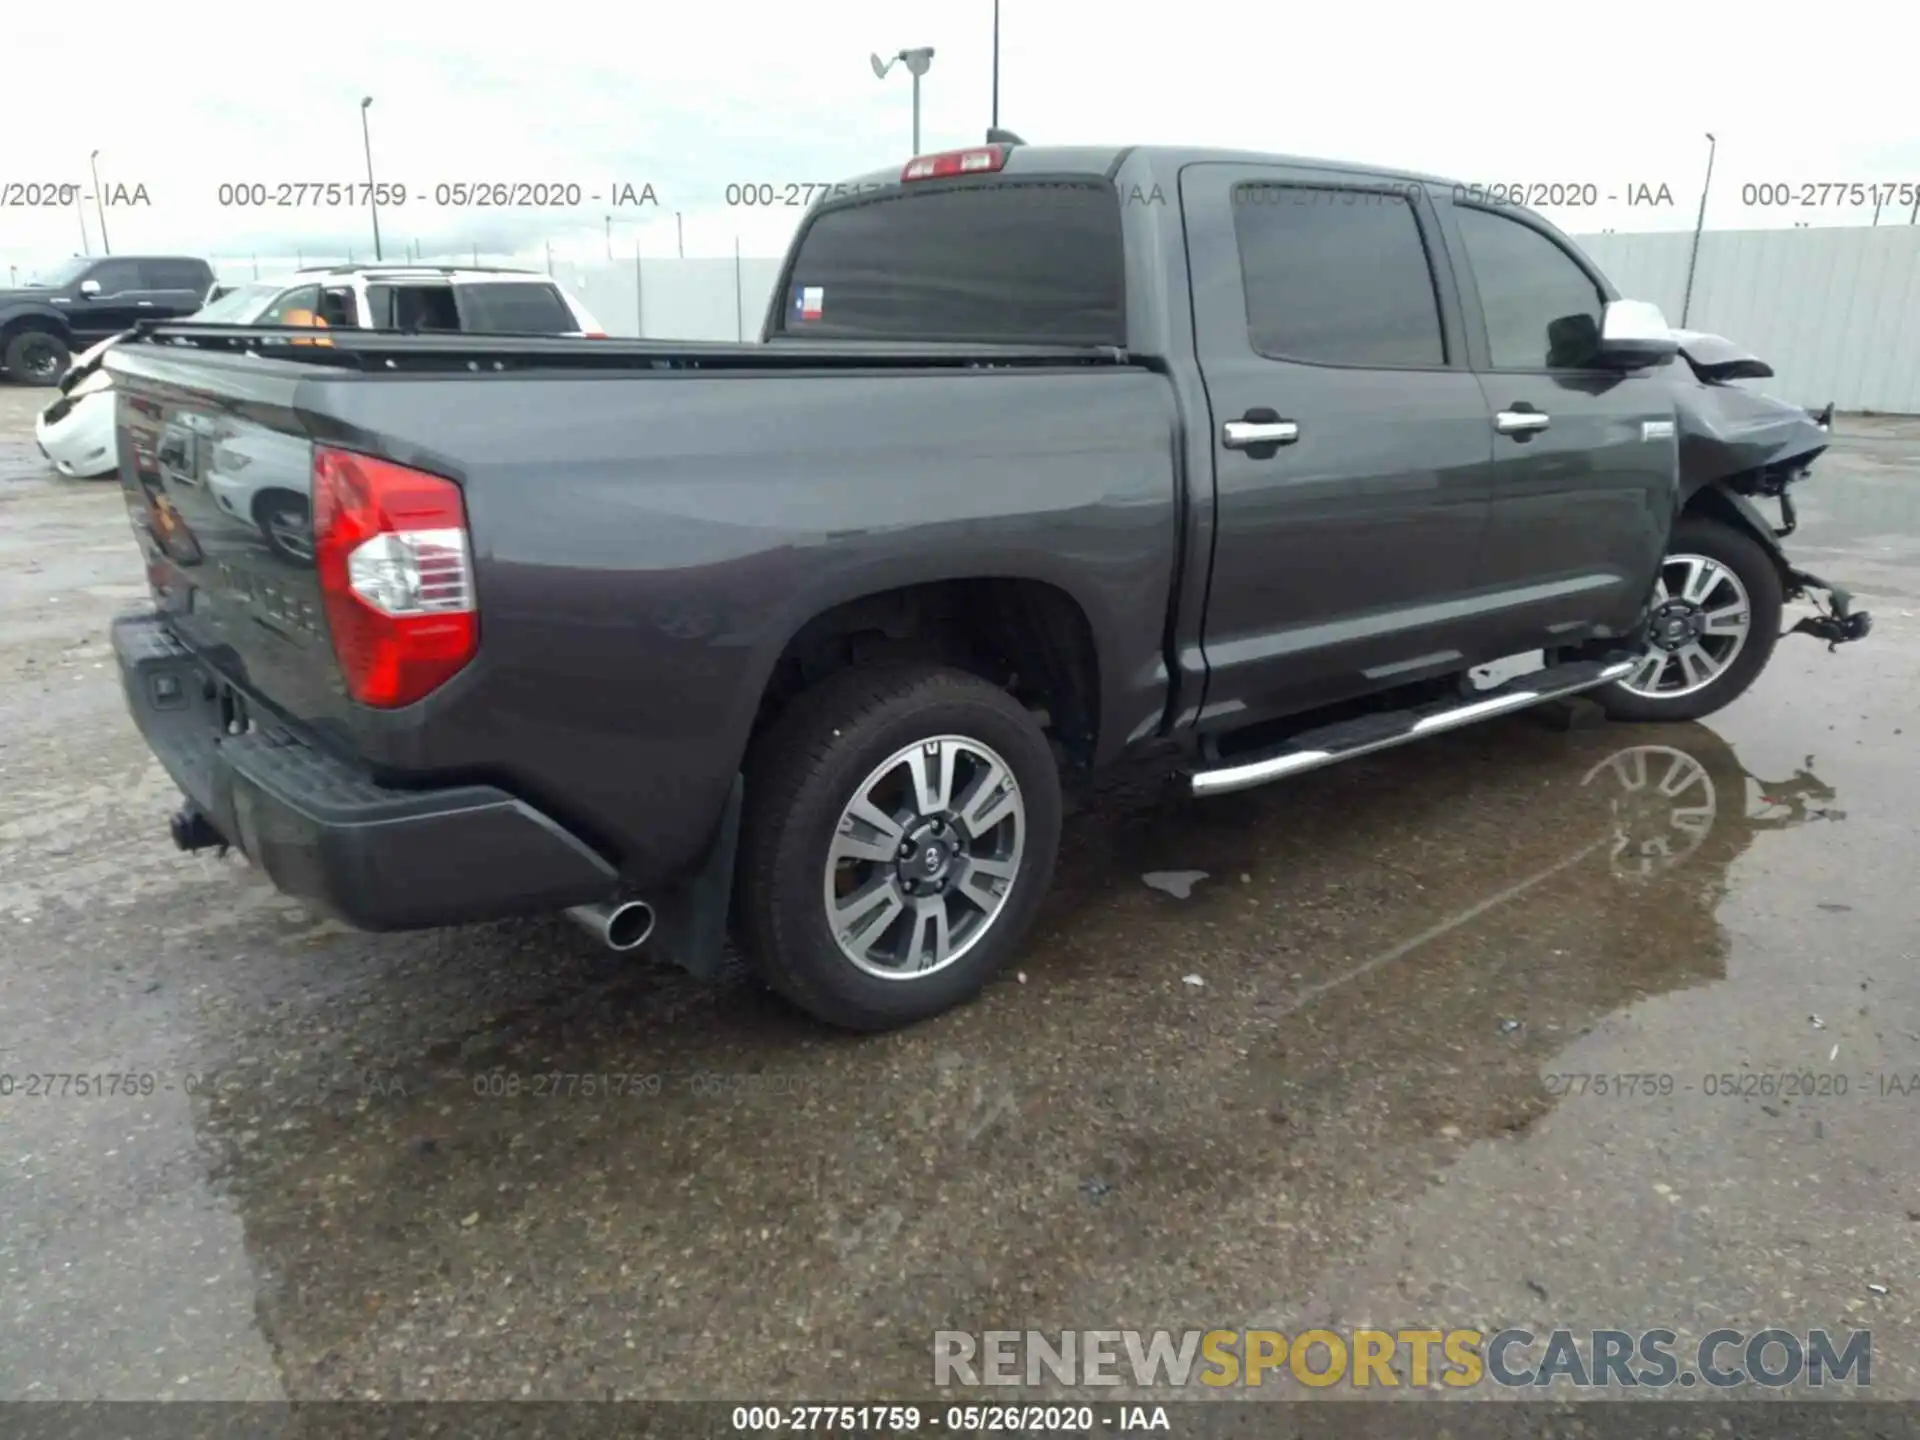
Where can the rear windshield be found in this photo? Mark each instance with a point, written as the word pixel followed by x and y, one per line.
pixel 1011 261
pixel 509 308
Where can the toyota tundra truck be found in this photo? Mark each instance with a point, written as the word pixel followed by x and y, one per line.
pixel 1046 458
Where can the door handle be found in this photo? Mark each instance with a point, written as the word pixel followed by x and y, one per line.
pixel 1243 434
pixel 1521 422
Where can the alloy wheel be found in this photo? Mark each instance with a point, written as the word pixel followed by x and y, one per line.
pixel 1700 623
pixel 924 857
pixel 1663 805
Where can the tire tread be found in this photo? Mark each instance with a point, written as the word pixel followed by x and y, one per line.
pixel 786 760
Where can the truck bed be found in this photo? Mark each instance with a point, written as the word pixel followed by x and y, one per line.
pixel 642 556
pixel 391 350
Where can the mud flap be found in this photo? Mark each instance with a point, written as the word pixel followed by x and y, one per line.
pixel 692 916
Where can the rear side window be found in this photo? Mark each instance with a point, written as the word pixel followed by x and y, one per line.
pixel 515 309
pixel 1008 261
pixel 1336 277
pixel 176 275
pixel 414 307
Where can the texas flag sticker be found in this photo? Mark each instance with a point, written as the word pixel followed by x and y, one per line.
pixel 809 301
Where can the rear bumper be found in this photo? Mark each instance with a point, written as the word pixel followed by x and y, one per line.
pixel 324 831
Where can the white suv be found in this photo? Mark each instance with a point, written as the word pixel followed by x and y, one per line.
pixel 75 432
pixel 426 298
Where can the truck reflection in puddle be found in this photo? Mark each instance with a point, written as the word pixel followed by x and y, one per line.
pixel 1212 1143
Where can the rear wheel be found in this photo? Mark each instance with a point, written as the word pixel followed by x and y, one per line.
pixel 36 357
pixel 900 830
pixel 1716 617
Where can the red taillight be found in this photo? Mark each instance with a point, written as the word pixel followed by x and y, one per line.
pixel 594 334
pixel 396 575
pixel 981 160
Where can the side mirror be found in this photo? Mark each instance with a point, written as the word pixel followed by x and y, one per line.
pixel 89 288
pixel 1634 333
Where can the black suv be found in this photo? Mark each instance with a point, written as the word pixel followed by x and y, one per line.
pixel 85 300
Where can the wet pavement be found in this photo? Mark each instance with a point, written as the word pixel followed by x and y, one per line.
pixel 1380 1105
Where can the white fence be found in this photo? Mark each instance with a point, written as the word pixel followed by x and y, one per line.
pixel 674 299
pixel 1835 311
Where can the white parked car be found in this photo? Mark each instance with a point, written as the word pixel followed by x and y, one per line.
pixel 75 432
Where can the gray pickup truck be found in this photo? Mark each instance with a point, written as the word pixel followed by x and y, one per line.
pixel 1048 457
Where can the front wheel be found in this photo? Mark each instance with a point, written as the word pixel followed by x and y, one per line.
pixel 36 357
pixel 1716 617
pixel 900 830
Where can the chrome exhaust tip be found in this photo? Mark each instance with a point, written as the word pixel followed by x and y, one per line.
pixel 618 925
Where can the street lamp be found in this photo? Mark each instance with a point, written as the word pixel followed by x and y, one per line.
pixel 995 122
pixel 99 205
pixel 917 62
pixel 1698 225
pixel 373 202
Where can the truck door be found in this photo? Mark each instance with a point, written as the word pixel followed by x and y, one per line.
pixel 121 302
pixel 1351 443
pixel 1586 464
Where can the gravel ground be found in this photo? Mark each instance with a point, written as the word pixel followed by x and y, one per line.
pixel 1358 1117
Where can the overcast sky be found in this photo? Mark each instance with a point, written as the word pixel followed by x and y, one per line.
pixel 690 98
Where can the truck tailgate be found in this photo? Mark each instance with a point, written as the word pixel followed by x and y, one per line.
pixel 218 482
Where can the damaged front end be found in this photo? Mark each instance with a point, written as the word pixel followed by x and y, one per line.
pixel 1738 446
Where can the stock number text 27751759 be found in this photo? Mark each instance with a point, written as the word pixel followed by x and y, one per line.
pixel 795 193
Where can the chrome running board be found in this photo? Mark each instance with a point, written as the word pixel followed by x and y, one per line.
pixel 1343 741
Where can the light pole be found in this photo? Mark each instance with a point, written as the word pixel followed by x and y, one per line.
pixel 373 202
pixel 99 204
pixel 86 240
pixel 996 65
pixel 917 62
pixel 1698 225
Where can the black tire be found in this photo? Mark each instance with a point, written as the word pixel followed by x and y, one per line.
pixel 1759 576
pixel 808 767
pixel 37 357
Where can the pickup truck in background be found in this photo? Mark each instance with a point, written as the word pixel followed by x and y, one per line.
pixel 1048 457
pixel 79 303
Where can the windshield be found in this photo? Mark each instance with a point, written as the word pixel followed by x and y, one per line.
pixel 241 306
pixel 55 277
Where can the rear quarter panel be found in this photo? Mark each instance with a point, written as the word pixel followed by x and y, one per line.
pixel 646 547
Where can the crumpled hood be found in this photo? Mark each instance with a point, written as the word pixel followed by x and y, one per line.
pixel 1727 430
pixel 87 361
pixel 1714 357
